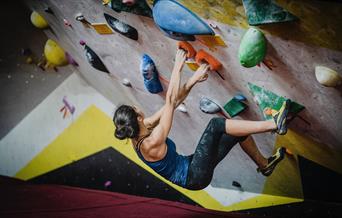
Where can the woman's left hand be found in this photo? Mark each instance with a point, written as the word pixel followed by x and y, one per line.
pixel 180 59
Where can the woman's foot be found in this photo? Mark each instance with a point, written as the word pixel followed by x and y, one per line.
pixel 280 117
pixel 272 162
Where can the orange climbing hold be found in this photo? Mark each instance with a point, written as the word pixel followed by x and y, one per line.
pixel 204 57
pixel 191 52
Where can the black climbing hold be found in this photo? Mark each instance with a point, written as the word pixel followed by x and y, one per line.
pixel 121 27
pixel 236 184
pixel 95 60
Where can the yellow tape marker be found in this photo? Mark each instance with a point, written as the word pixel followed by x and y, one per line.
pixel 102 28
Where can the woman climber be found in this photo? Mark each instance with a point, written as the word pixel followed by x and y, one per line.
pixel 149 135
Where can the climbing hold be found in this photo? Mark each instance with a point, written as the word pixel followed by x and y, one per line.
pixel 172 16
pixel 107 184
pixel 126 82
pixel 150 75
pixel 267 99
pixel 82 42
pixel 93 59
pixel 252 48
pixel 67 23
pixel 129 2
pixel 71 60
pixel 190 51
pixel 182 108
pixel 38 21
pixel 48 10
pixel 204 57
pixel 81 18
pixel 236 184
pixel 234 107
pixel 327 76
pixel 140 7
pixel 177 36
pixel 121 27
pixel 106 2
pixel 265 12
pixel 240 97
pixel 54 54
pixel 209 106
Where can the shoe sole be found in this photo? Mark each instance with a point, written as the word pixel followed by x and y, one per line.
pixel 282 119
pixel 268 170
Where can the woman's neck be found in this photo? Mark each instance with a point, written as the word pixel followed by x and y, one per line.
pixel 143 131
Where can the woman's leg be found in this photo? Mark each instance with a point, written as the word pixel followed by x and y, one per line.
pixel 213 146
pixel 250 148
pixel 246 127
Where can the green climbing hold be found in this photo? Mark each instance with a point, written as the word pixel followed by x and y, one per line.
pixel 252 48
pixel 234 107
pixel 266 11
pixel 267 99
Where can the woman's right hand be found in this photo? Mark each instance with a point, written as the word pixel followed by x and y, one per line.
pixel 201 73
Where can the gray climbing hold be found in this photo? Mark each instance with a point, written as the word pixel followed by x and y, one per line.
pixel 126 82
pixel 209 106
pixel 182 108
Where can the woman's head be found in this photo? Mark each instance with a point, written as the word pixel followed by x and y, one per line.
pixel 126 122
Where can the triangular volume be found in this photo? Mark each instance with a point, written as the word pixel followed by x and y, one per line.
pixel 139 8
pixel 267 99
pixel 174 17
pixel 266 12
pixel 320 183
pixel 110 170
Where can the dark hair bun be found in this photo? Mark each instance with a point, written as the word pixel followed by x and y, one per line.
pixel 124 132
pixel 126 122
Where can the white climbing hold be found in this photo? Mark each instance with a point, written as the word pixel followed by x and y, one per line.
pixel 126 82
pixel 182 108
pixel 327 76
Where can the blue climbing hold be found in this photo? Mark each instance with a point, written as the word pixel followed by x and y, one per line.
pixel 178 36
pixel 172 16
pixel 240 97
pixel 150 74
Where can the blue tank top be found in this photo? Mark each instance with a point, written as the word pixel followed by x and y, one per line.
pixel 173 167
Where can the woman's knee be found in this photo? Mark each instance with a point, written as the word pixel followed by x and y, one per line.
pixel 198 185
pixel 217 123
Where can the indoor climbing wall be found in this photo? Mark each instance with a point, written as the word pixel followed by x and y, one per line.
pixel 294 49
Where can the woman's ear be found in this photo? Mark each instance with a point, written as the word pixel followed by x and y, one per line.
pixel 140 118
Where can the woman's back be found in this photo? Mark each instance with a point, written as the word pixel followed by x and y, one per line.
pixel 173 166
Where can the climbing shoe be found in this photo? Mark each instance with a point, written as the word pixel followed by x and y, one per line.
pixel 280 117
pixel 272 162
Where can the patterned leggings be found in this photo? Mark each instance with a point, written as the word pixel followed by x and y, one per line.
pixel 213 146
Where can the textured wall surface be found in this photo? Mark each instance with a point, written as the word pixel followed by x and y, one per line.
pixel 294 48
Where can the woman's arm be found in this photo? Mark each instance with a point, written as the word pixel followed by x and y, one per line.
pixel 153 120
pixel 161 131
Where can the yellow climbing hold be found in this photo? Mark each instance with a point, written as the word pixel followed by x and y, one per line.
pixel 54 54
pixel 38 21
